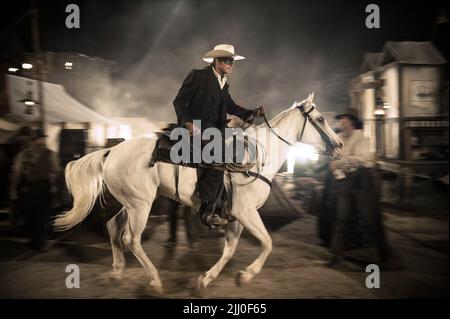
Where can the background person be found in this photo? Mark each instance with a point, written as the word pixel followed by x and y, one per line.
pixel 34 175
pixel 357 199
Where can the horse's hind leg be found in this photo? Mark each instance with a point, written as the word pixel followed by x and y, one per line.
pixel 116 226
pixel 252 222
pixel 233 234
pixel 137 220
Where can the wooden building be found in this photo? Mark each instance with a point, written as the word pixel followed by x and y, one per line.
pixel 402 96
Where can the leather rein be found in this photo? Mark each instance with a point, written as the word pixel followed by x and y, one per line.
pixel 307 116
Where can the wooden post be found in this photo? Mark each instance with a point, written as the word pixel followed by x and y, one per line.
pixel 39 65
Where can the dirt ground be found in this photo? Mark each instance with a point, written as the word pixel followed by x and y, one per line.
pixel 295 269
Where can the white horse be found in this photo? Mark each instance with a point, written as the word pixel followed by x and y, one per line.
pixel 124 170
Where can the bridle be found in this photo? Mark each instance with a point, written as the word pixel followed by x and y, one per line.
pixel 306 114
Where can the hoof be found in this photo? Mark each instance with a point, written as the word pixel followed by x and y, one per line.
pixel 116 273
pixel 157 287
pixel 201 285
pixel 242 278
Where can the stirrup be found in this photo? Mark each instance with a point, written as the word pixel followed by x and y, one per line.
pixel 213 221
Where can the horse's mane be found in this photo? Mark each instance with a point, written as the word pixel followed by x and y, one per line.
pixel 274 121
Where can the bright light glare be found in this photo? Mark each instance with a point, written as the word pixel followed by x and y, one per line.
pixel 125 132
pixel 98 134
pixel 27 66
pixel 13 69
pixel 121 131
pixel 112 131
pixel 302 153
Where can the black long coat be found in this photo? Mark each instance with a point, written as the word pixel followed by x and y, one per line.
pixel 361 230
pixel 200 94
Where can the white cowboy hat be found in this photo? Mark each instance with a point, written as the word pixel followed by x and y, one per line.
pixel 221 51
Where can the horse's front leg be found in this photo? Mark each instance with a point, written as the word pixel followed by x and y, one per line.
pixel 252 221
pixel 233 233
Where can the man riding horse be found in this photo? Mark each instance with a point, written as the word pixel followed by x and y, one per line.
pixel 204 96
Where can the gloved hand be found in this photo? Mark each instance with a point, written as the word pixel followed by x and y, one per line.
pixel 259 111
pixel 193 130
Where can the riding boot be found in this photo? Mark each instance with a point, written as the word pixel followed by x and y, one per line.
pixel 209 218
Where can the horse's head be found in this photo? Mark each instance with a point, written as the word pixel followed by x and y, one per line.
pixel 319 133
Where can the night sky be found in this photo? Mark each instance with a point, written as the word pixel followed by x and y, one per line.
pixel 291 47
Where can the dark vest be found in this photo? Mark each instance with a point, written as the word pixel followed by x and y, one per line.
pixel 216 114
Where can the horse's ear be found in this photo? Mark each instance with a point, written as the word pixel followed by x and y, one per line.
pixel 310 98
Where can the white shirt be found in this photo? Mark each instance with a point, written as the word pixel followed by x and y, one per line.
pixel 222 79
pixel 355 153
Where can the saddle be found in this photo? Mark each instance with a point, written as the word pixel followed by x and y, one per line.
pixel 161 153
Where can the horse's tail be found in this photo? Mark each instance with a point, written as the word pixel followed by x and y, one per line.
pixel 84 181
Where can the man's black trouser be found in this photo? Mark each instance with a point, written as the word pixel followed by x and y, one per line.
pixel 210 180
pixel 189 223
pixel 209 183
pixel 35 202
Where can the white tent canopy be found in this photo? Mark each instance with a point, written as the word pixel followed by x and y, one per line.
pixel 59 105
